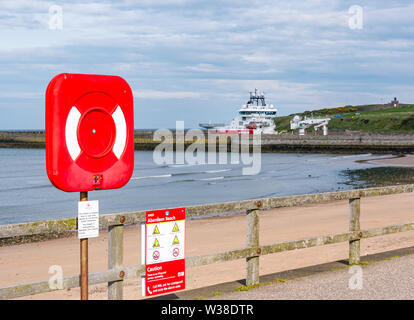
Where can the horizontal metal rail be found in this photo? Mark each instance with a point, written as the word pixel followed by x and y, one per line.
pixel 250 253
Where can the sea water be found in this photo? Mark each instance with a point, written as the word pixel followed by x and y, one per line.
pixel 27 195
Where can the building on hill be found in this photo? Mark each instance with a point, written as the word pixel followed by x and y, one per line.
pixel 394 103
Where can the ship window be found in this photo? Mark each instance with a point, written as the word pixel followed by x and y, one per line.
pixel 241 123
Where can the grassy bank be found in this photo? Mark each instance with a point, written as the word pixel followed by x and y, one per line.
pixel 399 119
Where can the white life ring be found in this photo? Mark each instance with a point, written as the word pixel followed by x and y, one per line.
pixel 71 128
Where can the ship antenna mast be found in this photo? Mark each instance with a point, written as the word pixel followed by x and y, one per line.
pixel 256 98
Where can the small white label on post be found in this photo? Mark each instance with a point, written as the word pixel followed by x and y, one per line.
pixel 88 219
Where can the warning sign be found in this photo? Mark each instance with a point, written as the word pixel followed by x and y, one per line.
pixel 156 243
pixel 176 241
pixel 176 229
pixel 156 255
pixel 176 252
pixel 164 251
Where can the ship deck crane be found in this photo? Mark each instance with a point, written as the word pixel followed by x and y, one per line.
pixel 304 123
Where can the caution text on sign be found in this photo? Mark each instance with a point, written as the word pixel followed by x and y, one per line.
pixel 164 251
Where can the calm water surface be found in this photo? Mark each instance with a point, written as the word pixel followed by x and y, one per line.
pixel 27 195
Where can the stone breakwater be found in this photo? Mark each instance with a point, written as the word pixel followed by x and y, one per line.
pixel 346 142
pixel 337 143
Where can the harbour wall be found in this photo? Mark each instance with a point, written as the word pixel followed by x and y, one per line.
pixel 336 142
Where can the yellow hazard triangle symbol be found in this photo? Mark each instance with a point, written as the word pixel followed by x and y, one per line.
pixel 175 229
pixel 175 241
pixel 156 243
pixel 156 231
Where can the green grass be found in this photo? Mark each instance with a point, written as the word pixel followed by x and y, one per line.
pixel 386 120
pixel 256 285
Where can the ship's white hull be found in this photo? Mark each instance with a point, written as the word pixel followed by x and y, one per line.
pixel 254 117
pixel 241 130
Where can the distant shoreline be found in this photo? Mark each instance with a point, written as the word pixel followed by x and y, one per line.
pixel 345 143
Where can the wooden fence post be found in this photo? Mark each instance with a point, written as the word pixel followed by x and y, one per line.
pixel 252 263
pixel 354 225
pixel 115 260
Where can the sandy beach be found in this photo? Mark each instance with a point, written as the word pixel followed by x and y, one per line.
pixel 31 262
pixel 406 161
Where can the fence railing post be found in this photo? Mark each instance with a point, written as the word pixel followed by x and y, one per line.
pixel 252 263
pixel 115 260
pixel 354 225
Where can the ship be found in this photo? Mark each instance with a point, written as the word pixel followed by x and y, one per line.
pixel 254 117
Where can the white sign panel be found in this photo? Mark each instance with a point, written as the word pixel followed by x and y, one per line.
pixel 88 219
pixel 165 241
pixel 163 248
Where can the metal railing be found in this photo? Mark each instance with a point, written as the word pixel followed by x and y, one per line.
pixel 115 223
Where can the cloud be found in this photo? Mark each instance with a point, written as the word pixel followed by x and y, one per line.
pixel 154 94
pixel 210 54
pixel 21 95
pixel 203 67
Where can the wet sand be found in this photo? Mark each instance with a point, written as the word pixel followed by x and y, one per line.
pixel 406 161
pixel 31 262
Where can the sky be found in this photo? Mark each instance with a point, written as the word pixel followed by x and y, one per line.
pixel 196 61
